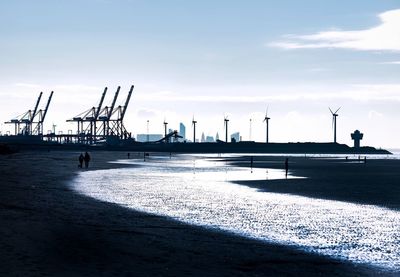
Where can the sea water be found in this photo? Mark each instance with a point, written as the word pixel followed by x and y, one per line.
pixel 201 192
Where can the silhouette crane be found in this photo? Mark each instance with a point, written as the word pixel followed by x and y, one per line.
pixel 266 120
pixel 194 129
pixel 334 115
pixel 226 120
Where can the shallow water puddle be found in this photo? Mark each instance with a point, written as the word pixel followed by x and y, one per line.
pixel 199 192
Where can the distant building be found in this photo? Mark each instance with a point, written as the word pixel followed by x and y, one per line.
pixel 210 139
pixel 217 137
pixel 235 137
pixel 182 131
pixel 203 137
pixel 152 137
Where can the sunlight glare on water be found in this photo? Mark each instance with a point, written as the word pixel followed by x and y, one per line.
pixel 200 192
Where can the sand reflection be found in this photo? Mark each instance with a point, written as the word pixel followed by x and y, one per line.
pixel 198 191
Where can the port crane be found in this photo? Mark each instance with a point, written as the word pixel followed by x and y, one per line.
pixel 97 124
pixel 31 122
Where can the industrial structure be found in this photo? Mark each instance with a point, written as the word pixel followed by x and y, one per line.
pixel 99 124
pixel 357 136
pixel 102 127
pixel 31 122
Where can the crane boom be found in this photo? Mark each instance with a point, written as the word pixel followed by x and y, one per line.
pixel 113 103
pixel 127 102
pixel 100 104
pixel 47 107
pixel 36 107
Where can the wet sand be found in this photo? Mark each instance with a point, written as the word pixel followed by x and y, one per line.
pixel 47 229
pixel 376 182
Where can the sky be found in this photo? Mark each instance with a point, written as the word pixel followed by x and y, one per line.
pixel 209 59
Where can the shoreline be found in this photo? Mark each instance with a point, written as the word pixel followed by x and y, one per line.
pixel 49 229
pixel 116 144
pixel 371 183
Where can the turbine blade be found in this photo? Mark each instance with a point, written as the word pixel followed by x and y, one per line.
pixel 338 109
pixel 331 110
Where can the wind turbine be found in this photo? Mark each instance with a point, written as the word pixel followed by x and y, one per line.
pixel 194 129
pixel 266 119
pixel 165 131
pixel 250 130
pixel 334 115
pixel 148 136
pixel 226 120
pixel 165 128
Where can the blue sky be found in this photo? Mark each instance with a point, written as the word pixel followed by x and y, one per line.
pixel 210 58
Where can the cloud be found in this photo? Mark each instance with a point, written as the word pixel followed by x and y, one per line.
pixel 146 113
pixel 394 62
pixel 356 92
pixel 374 114
pixel 26 85
pixel 292 115
pixel 77 88
pixel 383 37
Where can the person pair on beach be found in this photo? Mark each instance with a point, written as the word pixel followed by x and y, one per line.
pixel 84 158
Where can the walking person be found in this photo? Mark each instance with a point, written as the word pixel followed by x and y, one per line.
pixel 87 159
pixel 287 166
pixel 81 158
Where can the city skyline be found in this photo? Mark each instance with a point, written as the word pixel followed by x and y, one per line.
pixel 209 60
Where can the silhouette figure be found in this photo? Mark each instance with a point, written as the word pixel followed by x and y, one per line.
pixel 87 159
pixel 287 166
pixel 129 155
pixel 251 163
pixel 81 158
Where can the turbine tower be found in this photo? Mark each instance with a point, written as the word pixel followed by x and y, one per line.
pixel 266 120
pixel 334 115
pixel 165 127
pixel 226 120
pixel 250 130
pixel 194 129
pixel 165 131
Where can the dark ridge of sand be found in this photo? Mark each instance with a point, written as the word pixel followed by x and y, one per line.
pixel 376 182
pixel 48 230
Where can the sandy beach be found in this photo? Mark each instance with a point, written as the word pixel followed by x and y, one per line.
pixel 374 182
pixel 47 229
